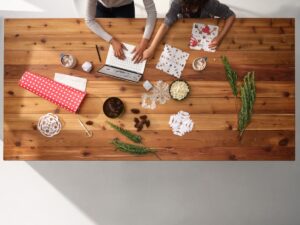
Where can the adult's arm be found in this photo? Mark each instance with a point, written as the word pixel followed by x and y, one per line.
pixel 150 24
pixel 151 18
pixel 92 23
pixel 98 30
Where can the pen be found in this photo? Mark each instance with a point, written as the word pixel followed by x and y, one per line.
pixel 99 56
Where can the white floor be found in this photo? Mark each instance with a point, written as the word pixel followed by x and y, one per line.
pixel 129 193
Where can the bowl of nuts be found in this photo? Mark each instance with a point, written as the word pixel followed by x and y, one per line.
pixel 179 90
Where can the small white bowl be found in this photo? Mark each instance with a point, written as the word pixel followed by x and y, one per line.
pixel 199 64
pixel 68 61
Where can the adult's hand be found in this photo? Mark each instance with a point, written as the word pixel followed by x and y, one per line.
pixel 118 48
pixel 139 50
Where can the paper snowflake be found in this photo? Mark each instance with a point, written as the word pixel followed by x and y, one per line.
pixel 181 123
pixel 159 94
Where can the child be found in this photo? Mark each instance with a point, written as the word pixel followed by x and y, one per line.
pixel 193 9
pixel 120 9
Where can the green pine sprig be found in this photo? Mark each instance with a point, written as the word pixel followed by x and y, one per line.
pixel 131 136
pixel 248 96
pixel 231 76
pixel 130 148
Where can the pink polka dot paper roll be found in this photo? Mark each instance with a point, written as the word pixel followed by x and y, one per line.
pixel 57 93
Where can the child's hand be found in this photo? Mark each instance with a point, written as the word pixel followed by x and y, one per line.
pixel 139 50
pixel 215 43
pixel 118 48
pixel 148 53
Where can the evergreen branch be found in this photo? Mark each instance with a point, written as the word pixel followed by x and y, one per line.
pixel 131 136
pixel 130 148
pixel 248 96
pixel 231 76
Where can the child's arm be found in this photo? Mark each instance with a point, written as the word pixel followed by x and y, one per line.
pixel 162 31
pixel 217 9
pixel 170 19
pixel 216 41
pixel 150 24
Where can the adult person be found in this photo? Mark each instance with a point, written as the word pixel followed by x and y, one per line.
pixel 120 9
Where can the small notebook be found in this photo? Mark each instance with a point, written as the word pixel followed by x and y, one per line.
pixel 126 64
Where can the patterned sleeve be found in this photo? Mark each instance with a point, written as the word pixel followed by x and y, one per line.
pixel 172 15
pixel 215 8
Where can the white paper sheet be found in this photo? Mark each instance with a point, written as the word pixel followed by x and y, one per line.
pixel 172 61
pixel 71 81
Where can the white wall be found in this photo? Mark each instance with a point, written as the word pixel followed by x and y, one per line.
pixel 129 193
pixel 75 8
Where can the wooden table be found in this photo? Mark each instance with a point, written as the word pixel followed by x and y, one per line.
pixel 266 46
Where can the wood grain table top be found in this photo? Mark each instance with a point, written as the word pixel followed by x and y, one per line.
pixel 266 46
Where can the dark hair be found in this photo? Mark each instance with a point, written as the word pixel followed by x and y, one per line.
pixel 194 2
pixel 188 5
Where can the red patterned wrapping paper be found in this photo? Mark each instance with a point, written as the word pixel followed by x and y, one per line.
pixel 57 93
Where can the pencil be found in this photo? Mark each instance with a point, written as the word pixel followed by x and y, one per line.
pixel 99 56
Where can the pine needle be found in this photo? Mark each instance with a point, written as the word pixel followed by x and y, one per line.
pixel 231 76
pixel 131 136
pixel 248 96
pixel 130 148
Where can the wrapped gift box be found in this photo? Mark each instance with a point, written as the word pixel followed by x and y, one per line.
pixel 57 93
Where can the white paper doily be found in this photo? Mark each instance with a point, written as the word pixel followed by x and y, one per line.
pixel 159 94
pixel 49 125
